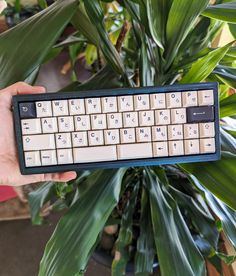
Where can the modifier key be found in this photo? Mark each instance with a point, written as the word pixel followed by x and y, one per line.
pixel 200 114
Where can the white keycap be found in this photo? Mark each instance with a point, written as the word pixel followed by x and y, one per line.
pixel 49 125
pixel 93 105
pixel 80 139
pixel 141 102
pixel 109 104
pixel 143 134
pixel 173 100
pixel 98 121
pixel 82 122
pixel 60 108
pixel 125 103
pixel 114 120
pixel 207 130
pixel 159 133
pixel 146 118
pixel 44 109
pixel 191 131
pixel 63 140
pixel 76 106
pixel 160 149
pixel 112 136
pixel 134 151
pixel 158 101
pixel 162 117
pixel 175 132
pixel 66 124
pixel 38 142
pixel 191 146
pixel 130 119
pixel 95 138
pixel 190 98
pixel 178 116
pixel 94 154
pixel 127 135
pixel 32 159
pixel 176 148
pixel 31 126
pixel 207 145
pixel 64 156
pixel 48 157
pixel 205 97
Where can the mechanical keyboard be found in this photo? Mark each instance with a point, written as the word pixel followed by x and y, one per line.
pixel 117 127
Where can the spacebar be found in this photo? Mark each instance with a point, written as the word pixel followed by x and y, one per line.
pixel 94 154
pixel 134 151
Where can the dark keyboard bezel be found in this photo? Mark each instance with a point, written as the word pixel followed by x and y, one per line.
pixel 119 163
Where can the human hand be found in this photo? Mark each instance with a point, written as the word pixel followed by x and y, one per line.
pixel 9 165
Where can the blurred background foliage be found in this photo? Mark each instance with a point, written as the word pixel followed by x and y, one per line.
pixel 174 216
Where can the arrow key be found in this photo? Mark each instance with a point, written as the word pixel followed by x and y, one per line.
pixel 160 149
pixel 207 145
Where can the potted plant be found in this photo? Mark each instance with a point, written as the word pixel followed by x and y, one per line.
pixel 180 211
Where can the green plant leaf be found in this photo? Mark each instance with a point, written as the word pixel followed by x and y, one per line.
pixel 204 66
pixel 78 230
pixel 225 12
pixel 228 142
pixel 144 256
pixel 38 198
pixel 226 74
pixel 83 24
pixel 125 235
pixel 178 26
pixel 34 37
pixel 176 250
pixel 228 106
pixel 218 177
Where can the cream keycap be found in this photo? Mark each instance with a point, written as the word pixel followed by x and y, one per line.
pixel 159 133
pixel 95 138
pixel 114 120
pixel 76 106
pixel 207 145
pixel 109 104
pixel 190 98
pixel 178 116
pixel 112 136
pixel 66 124
pixel 175 132
pixel 49 125
pixel 162 117
pixel 134 151
pixel 80 139
pixel 191 146
pixel 207 130
pixel 93 105
pixel 130 119
pixel 191 131
pixel 82 122
pixel 158 101
pixel 38 142
pixel 173 100
pixel 44 109
pixel 32 159
pixel 146 118
pixel 125 103
pixel 60 108
pixel 63 140
pixel 64 156
pixel 98 121
pixel 143 134
pixel 48 157
pixel 160 149
pixel 127 135
pixel 176 148
pixel 141 102
pixel 31 126
pixel 205 97
pixel 94 154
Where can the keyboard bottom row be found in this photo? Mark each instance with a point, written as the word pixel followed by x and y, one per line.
pixel 119 152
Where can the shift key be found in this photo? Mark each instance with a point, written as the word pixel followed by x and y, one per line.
pixel 38 142
pixel 200 114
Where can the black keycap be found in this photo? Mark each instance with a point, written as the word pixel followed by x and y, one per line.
pixel 27 110
pixel 200 114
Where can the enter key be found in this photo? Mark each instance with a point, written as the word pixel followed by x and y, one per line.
pixel 200 114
